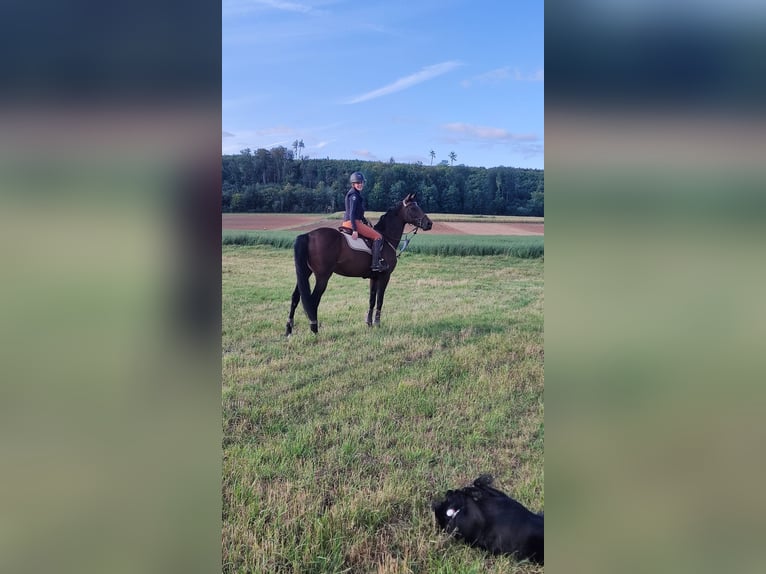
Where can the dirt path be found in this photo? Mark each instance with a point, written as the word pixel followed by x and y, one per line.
pixel 284 221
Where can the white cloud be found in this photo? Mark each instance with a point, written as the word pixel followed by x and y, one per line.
pixel 241 102
pixel 502 74
pixel 488 77
pixel 427 73
pixel 525 144
pixel 485 133
pixel 536 76
pixel 364 153
pixel 235 7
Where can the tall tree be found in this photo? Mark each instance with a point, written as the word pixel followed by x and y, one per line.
pixel 301 145
pixel 452 157
pixel 433 155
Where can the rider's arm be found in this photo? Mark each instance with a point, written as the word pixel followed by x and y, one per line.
pixel 352 204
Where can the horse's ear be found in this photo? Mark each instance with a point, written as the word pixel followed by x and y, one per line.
pixel 409 198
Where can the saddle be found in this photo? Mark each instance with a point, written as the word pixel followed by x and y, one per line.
pixel 358 244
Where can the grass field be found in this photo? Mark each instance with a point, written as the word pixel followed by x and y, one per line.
pixel 335 445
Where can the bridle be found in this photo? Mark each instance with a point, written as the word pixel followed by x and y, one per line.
pixel 418 225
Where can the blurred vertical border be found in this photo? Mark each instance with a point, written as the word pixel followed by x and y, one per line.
pixel 110 293
pixel 655 308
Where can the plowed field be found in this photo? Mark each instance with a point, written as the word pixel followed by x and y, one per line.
pixel 273 221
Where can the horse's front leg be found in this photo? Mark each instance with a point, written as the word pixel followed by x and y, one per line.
pixel 379 306
pixel 373 297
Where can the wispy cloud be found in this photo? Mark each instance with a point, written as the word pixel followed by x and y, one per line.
pixel 526 144
pixel 234 7
pixel 364 153
pixel 287 6
pixel 460 131
pixel 266 138
pixel 490 77
pixel 427 73
pixel 241 102
pixel 275 131
pixel 503 74
pixel 536 76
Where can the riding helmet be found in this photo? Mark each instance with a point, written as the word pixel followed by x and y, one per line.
pixel 357 177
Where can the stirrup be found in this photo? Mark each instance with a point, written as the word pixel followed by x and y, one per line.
pixel 382 265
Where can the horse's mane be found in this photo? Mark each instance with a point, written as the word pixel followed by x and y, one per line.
pixel 381 224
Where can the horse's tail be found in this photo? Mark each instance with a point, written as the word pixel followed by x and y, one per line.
pixel 303 272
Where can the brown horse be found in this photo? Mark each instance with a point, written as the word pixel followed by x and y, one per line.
pixel 324 251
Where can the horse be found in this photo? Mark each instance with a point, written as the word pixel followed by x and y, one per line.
pixel 325 251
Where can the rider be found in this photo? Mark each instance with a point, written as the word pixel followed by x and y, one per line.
pixel 355 220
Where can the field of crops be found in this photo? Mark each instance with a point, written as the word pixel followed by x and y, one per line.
pixel 335 445
pixel 517 246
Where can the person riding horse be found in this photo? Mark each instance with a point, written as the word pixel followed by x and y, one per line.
pixel 354 219
pixel 322 252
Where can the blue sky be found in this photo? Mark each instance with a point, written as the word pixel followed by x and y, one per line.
pixel 372 80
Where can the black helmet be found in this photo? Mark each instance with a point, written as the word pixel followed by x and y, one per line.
pixel 357 177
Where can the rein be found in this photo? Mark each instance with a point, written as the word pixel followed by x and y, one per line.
pixel 407 241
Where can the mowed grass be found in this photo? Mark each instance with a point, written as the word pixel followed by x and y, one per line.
pixel 335 445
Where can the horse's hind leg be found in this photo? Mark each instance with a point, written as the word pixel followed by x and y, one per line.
pixel 293 305
pixel 316 297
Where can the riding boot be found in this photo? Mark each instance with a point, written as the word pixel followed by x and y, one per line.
pixel 378 264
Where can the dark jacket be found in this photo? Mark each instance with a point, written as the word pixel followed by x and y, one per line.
pixel 354 208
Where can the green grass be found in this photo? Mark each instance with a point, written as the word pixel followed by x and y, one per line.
pixel 281 239
pixel 334 445
pixel 524 246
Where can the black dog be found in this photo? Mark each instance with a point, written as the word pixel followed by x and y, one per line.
pixel 487 518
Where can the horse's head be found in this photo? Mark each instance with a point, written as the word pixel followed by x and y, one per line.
pixel 414 215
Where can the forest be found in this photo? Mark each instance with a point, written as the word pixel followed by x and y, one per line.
pixel 281 181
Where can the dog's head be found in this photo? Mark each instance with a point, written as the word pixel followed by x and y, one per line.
pixel 460 501
pixel 458 514
pixel 445 509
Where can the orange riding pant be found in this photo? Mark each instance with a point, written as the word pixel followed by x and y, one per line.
pixel 363 230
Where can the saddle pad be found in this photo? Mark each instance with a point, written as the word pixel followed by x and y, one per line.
pixel 356 244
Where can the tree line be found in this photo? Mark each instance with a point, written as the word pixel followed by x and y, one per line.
pixel 274 181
